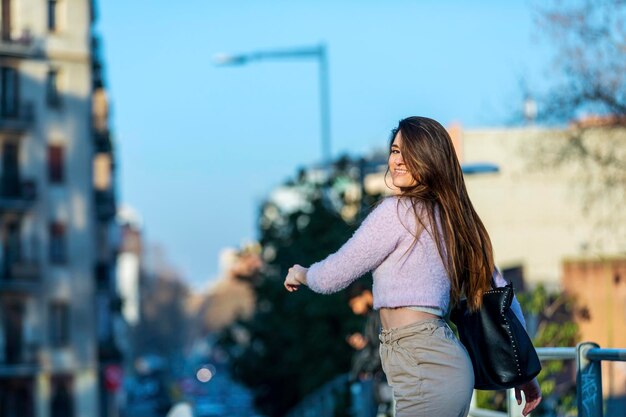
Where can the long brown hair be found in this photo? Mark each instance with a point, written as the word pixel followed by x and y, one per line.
pixel 466 250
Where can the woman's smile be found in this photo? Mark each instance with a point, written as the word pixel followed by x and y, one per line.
pixel 400 175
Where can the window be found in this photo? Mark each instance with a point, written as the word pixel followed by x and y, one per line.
pixel 102 276
pixel 59 324
pixel 17 396
pixel 52 15
pixel 52 88
pixel 6 20
pixel 56 171
pixel 8 92
pixel 62 401
pixel 58 244
pixel 515 274
pixel 12 321
pixel 10 182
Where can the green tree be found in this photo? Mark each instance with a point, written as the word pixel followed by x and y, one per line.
pixel 295 342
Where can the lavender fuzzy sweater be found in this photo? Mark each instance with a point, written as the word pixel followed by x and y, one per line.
pixel 414 278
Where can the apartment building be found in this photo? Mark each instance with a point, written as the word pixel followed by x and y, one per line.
pixel 57 207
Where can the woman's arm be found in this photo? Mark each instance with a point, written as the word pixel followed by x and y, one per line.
pixel 377 236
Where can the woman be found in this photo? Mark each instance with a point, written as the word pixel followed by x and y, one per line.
pixel 427 248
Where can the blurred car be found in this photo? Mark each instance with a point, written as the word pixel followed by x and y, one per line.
pixel 206 408
pixel 147 396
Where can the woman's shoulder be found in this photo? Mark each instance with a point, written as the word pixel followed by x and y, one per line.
pixel 399 201
pixel 395 207
pixel 385 204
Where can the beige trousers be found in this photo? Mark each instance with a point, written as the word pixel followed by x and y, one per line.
pixel 428 368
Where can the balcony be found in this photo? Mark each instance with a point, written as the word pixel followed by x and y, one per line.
pixel 19 370
pixel 17 196
pixel 19 351
pixel 20 276
pixel 24 271
pixel 19 120
pixel 105 204
pixel 20 359
pixel 23 47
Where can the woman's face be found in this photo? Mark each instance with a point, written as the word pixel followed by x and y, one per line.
pixel 400 175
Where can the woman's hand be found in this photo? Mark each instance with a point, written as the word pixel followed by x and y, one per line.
pixel 295 277
pixel 532 394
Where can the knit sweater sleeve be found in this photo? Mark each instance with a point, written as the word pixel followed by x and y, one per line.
pixel 515 305
pixel 370 244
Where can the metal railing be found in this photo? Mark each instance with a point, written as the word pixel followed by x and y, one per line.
pixel 588 356
pixel 19 117
pixel 322 402
pixel 23 47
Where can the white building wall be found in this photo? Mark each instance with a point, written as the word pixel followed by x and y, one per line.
pixel 128 270
pixel 534 216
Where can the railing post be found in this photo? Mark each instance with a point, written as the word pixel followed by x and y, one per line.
pixel 588 382
pixel 513 410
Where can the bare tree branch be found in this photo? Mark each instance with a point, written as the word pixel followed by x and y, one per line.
pixel 588 98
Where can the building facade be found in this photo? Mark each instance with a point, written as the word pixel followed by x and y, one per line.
pixel 56 210
pixel 535 214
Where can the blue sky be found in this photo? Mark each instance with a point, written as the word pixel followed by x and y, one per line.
pixel 199 146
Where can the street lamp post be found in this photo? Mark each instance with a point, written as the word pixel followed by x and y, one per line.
pixel 317 52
